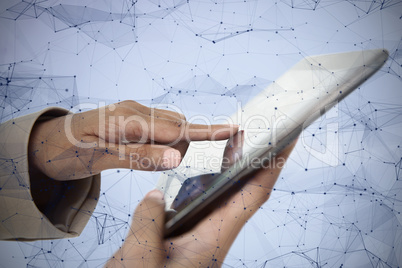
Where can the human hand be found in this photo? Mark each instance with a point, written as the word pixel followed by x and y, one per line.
pixel 207 244
pixel 122 135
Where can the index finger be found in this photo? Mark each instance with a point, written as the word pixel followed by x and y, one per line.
pixel 198 132
pixel 166 131
pixel 170 132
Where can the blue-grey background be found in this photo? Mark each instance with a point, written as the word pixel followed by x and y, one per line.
pixel 206 57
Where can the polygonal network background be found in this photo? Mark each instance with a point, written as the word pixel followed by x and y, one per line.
pixel 207 57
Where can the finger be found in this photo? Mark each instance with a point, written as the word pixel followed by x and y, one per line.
pixel 182 147
pixel 146 157
pixel 274 168
pixel 167 127
pixel 154 112
pixel 149 218
pixel 143 246
pixel 231 216
pixel 198 132
pixel 150 157
pixel 233 150
pixel 146 129
pixel 215 234
pixel 258 188
pixel 164 114
pixel 170 132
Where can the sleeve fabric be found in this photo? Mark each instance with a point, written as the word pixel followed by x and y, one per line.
pixel 71 205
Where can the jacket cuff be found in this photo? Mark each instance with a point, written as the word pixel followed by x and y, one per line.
pixel 20 218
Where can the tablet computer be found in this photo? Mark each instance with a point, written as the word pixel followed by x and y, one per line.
pixel 269 122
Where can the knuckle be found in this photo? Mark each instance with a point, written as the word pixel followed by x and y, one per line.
pixel 134 131
pixel 177 115
pixel 182 117
pixel 123 110
pixel 142 152
pixel 179 124
pixel 128 103
pixel 176 130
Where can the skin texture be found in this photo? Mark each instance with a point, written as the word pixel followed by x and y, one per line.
pixel 121 135
pixel 130 135
pixel 207 244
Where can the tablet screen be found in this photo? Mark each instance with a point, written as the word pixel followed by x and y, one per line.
pixel 196 186
pixel 271 120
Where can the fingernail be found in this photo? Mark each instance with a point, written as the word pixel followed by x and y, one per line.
pixel 171 159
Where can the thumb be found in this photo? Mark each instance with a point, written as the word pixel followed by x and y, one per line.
pixel 149 218
pixel 144 244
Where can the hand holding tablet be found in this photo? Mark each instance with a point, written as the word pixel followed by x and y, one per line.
pixel 270 122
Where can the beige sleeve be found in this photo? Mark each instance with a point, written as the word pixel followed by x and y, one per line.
pixel 71 206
